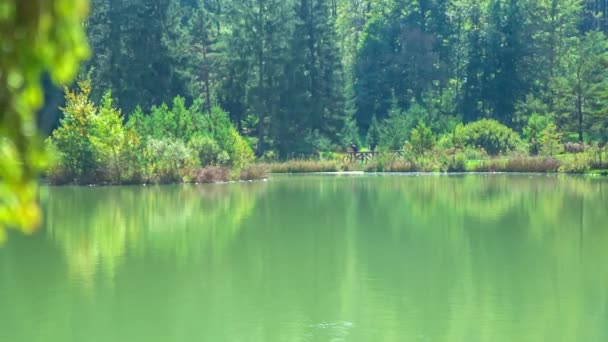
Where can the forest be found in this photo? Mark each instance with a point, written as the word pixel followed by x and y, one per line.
pixel 196 83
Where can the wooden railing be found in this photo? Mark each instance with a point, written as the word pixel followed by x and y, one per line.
pixel 364 157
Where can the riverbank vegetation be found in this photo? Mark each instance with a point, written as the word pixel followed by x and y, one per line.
pixel 481 146
pixel 170 144
pixel 457 85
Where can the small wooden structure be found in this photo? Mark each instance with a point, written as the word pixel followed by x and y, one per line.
pixel 364 157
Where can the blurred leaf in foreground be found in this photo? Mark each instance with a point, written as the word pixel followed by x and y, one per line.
pixel 36 37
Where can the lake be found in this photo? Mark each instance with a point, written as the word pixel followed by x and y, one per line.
pixel 315 258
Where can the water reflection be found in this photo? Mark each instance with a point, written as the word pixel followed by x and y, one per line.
pixel 316 258
pixel 96 227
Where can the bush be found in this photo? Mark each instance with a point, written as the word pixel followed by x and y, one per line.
pixel 208 151
pixel 72 139
pixel 577 163
pixel 494 137
pixel 550 140
pixel 423 139
pixel 169 161
pixel 107 137
pixel 472 153
pixel 533 132
pixel 458 163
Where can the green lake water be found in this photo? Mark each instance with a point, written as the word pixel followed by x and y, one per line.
pixel 315 258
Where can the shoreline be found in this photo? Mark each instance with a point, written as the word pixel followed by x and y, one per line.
pixel 600 173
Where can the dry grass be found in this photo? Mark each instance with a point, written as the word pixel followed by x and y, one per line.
pixel 519 164
pixel 254 172
pixel 212 174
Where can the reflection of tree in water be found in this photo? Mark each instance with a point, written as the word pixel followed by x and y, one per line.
pixel 96 226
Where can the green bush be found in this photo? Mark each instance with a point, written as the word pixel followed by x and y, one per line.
pixel 533 132
pixel 373 134
pixel 169 161
pixel 423 139
pixel 550 141
pixel 208 151
pixel 72 139
pixel 458 163
pixel 576 163
pixel 107 138
pixel 494 137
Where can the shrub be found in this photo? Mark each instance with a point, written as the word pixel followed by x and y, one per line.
pixel 72 139
pixel 577 163
pixel 169 161
pixel 422 139
pixel 132 158
pixel 492 136
pixel 207 150
pixel 533 131
pixel 550 140
pixel 458 163
pixel 472 153
pixel 107 137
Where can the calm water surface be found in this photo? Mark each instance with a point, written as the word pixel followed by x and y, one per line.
pixel 315 258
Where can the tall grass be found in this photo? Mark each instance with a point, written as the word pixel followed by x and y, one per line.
pixel 518 164
pixel 305 166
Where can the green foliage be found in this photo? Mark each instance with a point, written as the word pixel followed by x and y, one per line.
pixel 74 137
pixel 165 146
pixel 169 161
pixel 494 137
pixel 423 139
pixel 108 138
pixel 550 140
pixel 396 128
pixel 458 163
pixel 208 151
pixel 37 37
pixel 373 134
pixel 533 132
pixel 576 163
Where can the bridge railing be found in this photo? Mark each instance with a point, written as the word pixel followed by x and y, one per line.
pixel 367 156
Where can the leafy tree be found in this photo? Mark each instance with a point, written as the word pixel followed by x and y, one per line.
pixel 423 139
pixel 583 83
pixel 550 140
pixel 534 131
pixel 108 136
pixel 74 137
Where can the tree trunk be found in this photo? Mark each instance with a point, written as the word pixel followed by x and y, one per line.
pixel 579 105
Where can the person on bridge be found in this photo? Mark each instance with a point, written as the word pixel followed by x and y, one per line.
pixel 354 147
